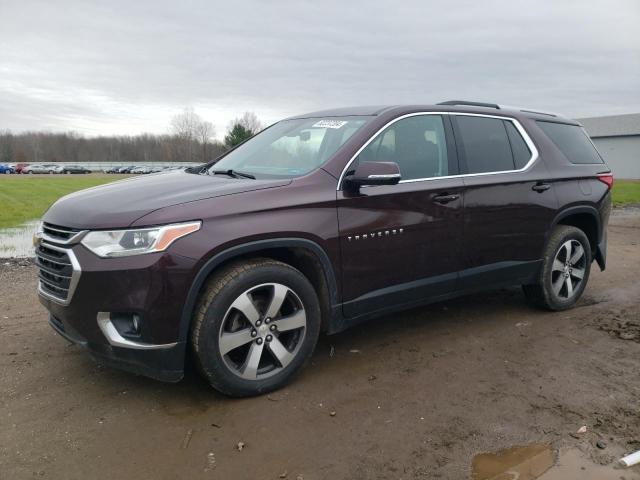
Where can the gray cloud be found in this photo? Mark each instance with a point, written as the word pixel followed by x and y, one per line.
pixel 126 67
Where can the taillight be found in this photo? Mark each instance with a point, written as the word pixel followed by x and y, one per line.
pixel 607 179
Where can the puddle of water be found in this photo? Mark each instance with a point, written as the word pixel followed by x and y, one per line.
pixel 538 462
pixel 18 241
pixel 526 462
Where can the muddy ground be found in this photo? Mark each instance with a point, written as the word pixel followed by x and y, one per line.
pixel 415 395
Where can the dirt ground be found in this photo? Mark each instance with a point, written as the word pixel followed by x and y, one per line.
pixel 415 395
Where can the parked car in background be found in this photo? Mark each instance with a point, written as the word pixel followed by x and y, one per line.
pixel 42 168
pixel 74 169
pixel 19 166
pixel 243 263
pixel 141 170
pixel 126 169
pixel 6 169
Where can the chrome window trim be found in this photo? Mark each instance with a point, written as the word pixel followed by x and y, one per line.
pixel 519 127
pixel 75 276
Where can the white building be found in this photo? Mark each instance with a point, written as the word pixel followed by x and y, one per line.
pixel 617 138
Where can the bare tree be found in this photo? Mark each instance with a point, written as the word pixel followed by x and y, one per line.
pixel 184 126
pixel 34 141
pixel 250 122
pixel 205 131
pixel 190 130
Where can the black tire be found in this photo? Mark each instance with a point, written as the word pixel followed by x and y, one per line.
pixel 542 293
pixel 212 318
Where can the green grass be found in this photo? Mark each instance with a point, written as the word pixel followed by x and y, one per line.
pixel 24 198
pixel 626 192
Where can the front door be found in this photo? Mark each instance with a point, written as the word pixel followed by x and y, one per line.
pixel 400 244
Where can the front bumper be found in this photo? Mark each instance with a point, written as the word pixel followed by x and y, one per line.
pixel 154 287
pixel 165 364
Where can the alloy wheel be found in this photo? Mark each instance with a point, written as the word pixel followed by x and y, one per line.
pixel 567 272
pixel 262 331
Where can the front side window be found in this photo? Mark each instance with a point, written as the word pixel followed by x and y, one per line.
pixel 417 144
pixel 291 148
pixel 572 141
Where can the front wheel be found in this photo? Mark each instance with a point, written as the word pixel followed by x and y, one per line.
pixel 565 270
pixel 256 325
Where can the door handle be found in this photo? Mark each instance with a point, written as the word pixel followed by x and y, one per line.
pixel 445 198
pixel 541 187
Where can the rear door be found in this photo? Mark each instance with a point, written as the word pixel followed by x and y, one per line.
pixel 401 243
pixel 509 201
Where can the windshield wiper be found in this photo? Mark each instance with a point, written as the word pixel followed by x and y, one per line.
pixel 232 173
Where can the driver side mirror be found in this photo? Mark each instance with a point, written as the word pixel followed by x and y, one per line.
pixel 375 173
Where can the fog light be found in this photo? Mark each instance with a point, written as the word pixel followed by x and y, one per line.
pixel 128 324
pixel 136 324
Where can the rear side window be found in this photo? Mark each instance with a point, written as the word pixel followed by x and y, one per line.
pixel 485 143
pixel 521 153
pixel 572 141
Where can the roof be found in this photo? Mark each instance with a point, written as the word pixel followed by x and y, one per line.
pixel 367 110
pixel 612 125
pixel 452 106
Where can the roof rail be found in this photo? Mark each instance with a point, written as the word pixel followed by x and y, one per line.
pixel 471 104
pixel 539 113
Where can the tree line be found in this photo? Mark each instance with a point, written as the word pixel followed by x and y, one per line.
pixel 190 139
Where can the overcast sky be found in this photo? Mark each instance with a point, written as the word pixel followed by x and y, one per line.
pixel 127 67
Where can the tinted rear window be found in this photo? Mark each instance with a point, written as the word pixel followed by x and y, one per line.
pixel 572 141
pixel 485 143
pixel 521 153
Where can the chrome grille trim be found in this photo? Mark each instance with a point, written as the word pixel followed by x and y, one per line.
pixel 44 282
pixel 61 235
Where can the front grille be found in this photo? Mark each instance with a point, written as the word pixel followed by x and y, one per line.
pixel 56 272
pixel 56 232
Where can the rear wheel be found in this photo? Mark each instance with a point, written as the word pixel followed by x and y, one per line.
pixel 565 270
pixel 256 325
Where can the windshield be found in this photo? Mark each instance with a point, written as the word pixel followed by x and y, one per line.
pixel 291 148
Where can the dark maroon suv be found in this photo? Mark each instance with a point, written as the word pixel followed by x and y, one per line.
pixel 315 224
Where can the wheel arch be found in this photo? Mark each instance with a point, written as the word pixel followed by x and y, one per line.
pixel 303 254
pixel 584 217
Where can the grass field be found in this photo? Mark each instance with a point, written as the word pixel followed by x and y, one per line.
pixel 626 192
pixel 24 198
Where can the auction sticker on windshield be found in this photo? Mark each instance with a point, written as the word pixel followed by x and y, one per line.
pixel 329 124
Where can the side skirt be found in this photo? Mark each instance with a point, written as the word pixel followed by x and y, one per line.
pixel 434 289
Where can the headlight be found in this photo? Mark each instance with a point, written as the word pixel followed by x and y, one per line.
pixel 38 234
pixel 123 243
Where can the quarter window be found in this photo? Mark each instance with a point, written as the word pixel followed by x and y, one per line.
pixel 417 144
pixel 572 142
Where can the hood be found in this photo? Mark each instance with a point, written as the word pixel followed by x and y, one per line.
pixel 119 204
